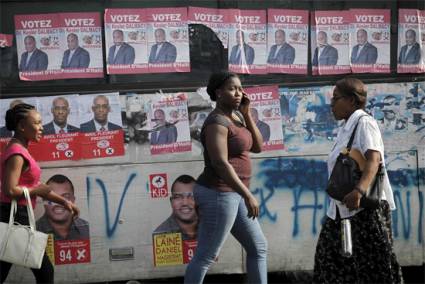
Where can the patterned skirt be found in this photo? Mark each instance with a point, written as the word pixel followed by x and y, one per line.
pixel 373 259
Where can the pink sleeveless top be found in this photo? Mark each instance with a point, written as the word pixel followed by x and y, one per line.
pixel 29 178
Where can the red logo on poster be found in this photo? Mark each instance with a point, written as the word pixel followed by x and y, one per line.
pixel 158 185
pixel 72 251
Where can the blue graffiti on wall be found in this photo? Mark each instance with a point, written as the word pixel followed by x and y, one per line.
pixel 110 228
pixel 308 177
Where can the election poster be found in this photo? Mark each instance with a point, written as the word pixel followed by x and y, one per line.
pixel 308 123
pixel 247 41
pixel 422 32
pixel 100 126
pixel 169 124
pixel 170 249
pixel 38 39
pixel 168 40
pixel 61 123
pixel 265 111
pixel 6 40
pixel 81 45
pixel 409 54
pixel 330 42
pixel 215 19
pixel 69 235
pixel 370 40
pixel 287 41
pixel 126 41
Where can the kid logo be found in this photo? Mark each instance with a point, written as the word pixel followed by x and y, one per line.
pixel 158 185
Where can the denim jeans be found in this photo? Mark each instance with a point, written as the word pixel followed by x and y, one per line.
pixel 222 213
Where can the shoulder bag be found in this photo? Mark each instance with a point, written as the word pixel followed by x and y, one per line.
pixel 347 173
pixel 22 244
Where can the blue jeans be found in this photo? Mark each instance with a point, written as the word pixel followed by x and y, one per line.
pixel 221 213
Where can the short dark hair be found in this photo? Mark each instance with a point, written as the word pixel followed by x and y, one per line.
pixel 60 179
pixel 16 114
pixel 216 81
pixel 186 179
pixel 353 87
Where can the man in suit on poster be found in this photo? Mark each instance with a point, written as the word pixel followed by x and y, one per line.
pixel 59 125
pixel 120 52
pixel 163 51
pixel 261 125
pixel 163 132
pixel 242 53
pixel 363 52
pixel 101 109
pixel 75 56
pixel 33 59
pixel 324 54
pixel 281 52
pixel 410 53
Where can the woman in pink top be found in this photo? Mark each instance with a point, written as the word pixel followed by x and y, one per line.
pixel 18 169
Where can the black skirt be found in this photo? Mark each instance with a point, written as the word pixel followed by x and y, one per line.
pixel 373 259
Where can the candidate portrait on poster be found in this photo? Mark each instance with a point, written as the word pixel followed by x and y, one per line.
pixel 162 51
pixel 281 52
pixel 241 53
pixel 101 109
pixel 120 52
pixel 60 124
pixel 363 52
pixel 324 54
pixel 75 56
pixel 410 53
pixel 33 59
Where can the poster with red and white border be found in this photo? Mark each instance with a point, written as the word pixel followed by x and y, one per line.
pixel 40 58
pixel 55 112
pixel 248 27
pixel 168 40
pixel 94 111
pixel 158 185
pixel 169 123
pixel 370 32
pixel 287 41
pixel 5 104
pixel 409 53
pixel 6 40
pixel 81 43
pixel 265 110
pixel 127 54
pixel 212 18
pixel 330 42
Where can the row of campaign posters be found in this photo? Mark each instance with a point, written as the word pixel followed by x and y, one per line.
pixel 90 126
pixel 156 40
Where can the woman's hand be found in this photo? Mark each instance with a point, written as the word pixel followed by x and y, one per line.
pixel 244 106
pixel 72 208
pixel 352 200
pixel 252 206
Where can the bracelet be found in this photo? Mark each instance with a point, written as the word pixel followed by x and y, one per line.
pixel 356 188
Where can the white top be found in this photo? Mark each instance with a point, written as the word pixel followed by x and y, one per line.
pixel 367 137
pixel 71 53
pixel 117 48
pixel 277 50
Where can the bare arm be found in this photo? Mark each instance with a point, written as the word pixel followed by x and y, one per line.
pixel 56 198
pixel 373 159
pixel 257 138
pixel 216 144
pixel 14 167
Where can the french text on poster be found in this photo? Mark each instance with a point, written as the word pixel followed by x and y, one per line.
pixel 167 249
pixel 72 251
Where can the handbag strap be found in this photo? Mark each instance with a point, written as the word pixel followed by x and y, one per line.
pixel 30 211
pixel 350 142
